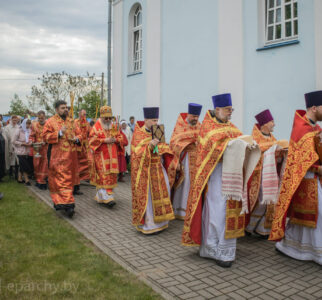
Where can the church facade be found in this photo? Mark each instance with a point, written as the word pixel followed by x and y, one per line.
pixel 167 53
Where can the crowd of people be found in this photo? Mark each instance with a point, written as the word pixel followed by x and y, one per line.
pixel 223 184
pixel 28 149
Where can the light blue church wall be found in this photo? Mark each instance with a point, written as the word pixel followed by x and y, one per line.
pixel 134 86
pixel 277 78
pixel 189 57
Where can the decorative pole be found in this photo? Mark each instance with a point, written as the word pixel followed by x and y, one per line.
pixel 109 53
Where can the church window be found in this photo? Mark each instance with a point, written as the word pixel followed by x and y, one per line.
pixel 135 39
pixel 281 21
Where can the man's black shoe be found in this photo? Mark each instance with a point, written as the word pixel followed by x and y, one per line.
pixel 261 236
pixel 70 212
pixel 77 192
pixel 111 204
pixel 224 264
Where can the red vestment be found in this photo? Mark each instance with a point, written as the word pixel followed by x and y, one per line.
pixel 40 163
pixel 147 174
pixel 302 155
pixel 82 150
pixel 183 142
pixel 121 153
pixel 105 156
pixel 62 154
pixel 212 142
pixel 254 182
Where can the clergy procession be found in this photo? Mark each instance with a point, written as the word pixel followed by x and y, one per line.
pixel 222 183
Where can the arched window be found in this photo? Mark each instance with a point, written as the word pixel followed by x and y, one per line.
pixel 135 39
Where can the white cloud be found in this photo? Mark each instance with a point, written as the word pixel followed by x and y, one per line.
pixel 30 46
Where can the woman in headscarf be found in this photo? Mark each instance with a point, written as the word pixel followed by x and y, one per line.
pixel 23 149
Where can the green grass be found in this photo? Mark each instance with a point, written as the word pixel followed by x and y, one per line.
pixel 44 257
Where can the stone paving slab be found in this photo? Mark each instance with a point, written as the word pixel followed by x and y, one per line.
pixel 177 272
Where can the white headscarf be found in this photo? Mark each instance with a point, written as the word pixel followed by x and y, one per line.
pixel 24 128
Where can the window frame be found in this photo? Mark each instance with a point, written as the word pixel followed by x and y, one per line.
pixel 282 22
pixel 135 39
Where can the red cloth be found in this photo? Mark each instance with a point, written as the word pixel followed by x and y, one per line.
pixel 40 163
pixel 82 150
pixel 121 153
pixel 122 163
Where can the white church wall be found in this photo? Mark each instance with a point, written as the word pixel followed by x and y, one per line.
pixel 189 57
pixel 277 78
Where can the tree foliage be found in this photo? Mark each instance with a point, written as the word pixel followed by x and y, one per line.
pixel 17 107
pixel 89 103
pixel 57 86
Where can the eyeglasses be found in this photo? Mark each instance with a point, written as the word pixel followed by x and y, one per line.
pixel 107 118
pixel 228 109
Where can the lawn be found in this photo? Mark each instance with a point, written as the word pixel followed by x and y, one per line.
pixel 43 257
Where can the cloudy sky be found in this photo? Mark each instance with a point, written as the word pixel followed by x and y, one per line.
pixel 39 36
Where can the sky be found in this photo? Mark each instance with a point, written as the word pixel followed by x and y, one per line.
pixel 39 36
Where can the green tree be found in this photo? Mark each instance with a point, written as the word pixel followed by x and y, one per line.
pixel 17 107
pixel 57 86
pixel 89 103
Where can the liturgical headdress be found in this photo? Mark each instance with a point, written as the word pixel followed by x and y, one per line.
pixel 264 117
pixel 313 99
pixel 222 100
pixel 194 109
pixel 106 111
pixel 151 112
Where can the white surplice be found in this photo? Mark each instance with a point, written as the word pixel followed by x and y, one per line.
pixel 258 217
pixel 181 194
pixel 214 245
pixel 149 225
pixel 302 242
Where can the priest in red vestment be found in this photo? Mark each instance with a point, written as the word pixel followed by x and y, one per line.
pixel 183 144
pixel 151 204
pixel 62 136
pixel 82 150
pixel 40 162
pixel 300 196
pixel 104 140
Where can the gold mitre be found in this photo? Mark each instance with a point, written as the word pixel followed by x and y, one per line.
pixel 106 111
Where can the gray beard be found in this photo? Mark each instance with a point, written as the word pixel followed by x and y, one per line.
pixel 106 126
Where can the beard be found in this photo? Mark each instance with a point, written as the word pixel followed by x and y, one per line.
pixel 64 115
pixel 106 126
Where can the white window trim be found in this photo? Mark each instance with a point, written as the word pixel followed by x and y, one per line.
pixel 282 22
pixel 131 41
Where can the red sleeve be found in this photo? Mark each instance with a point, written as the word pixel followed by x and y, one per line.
pixel 50 135
pixel 122 140
pixel 167 158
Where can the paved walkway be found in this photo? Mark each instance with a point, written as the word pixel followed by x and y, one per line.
pixel 178 272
